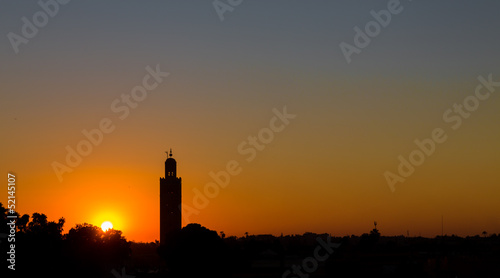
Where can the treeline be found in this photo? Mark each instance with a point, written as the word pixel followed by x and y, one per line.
pixel 42 250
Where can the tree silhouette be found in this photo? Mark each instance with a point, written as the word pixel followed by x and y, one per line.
pixel 22 222
pixel 42 249
pixel 195 252
pixel 4 230
pixel 38 244
pixel 95 251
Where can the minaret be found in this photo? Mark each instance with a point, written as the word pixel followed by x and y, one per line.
pixel 170 201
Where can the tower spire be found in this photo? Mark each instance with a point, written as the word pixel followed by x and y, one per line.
pixel 170 200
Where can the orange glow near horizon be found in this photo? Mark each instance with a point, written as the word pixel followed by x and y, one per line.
pixel 130 200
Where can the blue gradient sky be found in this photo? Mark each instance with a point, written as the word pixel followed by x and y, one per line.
pixel 323 173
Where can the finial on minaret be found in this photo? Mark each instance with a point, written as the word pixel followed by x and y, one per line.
pixel 170 152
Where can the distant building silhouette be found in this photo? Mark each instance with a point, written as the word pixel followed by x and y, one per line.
pixel 170 201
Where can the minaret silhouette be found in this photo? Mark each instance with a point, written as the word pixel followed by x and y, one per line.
pixel 170 201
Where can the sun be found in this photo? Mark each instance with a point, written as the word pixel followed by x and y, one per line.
pixel 106 225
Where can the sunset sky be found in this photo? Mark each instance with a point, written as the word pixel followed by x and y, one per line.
pixel 324 172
